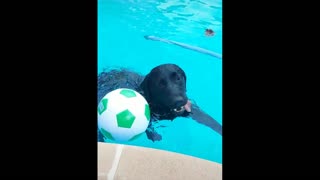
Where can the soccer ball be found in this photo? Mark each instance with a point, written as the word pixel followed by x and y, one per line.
pixel 123 115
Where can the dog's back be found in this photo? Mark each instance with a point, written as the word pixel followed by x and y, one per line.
pixel 118 78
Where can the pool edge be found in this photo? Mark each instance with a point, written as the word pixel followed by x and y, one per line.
pixel 117 161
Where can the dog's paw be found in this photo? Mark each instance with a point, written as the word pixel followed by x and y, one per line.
pixel 153 136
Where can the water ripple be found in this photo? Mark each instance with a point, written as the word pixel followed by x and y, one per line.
pixel 171 17
pixel 205 13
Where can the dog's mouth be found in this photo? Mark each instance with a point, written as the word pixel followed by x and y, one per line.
pixel 186 107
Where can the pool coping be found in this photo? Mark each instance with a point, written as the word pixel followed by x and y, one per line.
pixel 127 162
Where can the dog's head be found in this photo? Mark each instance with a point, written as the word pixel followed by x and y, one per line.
pixel 165 90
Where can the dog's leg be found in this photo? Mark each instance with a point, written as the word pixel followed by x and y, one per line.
pixel 151 133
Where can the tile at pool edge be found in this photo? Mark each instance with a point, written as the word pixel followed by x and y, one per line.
pixel 106 154
pixel 137 163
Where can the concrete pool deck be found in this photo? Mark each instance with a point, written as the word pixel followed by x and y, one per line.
pixel 124 162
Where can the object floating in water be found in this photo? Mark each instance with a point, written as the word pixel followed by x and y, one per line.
pixel 209 32
pixel 198 49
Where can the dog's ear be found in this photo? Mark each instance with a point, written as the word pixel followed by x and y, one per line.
pixel 144 87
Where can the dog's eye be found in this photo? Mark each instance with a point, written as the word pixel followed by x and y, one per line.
pixel 162 83
pixel 175 76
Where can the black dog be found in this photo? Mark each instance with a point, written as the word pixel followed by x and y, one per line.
pixel 165 90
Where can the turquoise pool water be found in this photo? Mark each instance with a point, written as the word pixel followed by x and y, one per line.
pixel 122 25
